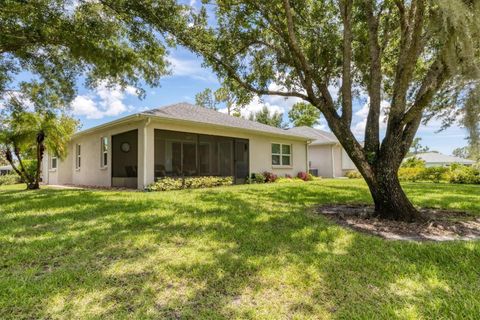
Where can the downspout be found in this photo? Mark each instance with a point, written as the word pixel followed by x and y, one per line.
pixel 307 155
pixel 333 161
pixel 145 146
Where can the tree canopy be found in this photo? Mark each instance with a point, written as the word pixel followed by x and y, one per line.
pixel 26 134
pixel 304 114
pixel 58 41
pixel 408 53
pixel 417 147
pixel 206 99
pixel 274 119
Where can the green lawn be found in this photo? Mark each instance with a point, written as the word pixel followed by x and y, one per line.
pixel 234 252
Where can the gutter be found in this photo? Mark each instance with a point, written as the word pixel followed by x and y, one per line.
pixel 136 116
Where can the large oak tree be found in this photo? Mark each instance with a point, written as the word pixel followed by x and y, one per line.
pixel 405 52
pixel 46 46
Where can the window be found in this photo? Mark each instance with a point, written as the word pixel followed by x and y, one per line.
pixel 53 163
pixel 78 155
pixel 281 154
pixel 104 152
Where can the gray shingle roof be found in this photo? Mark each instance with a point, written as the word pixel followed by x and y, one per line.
pixel 434 157
pixel 190 112
pixel 319 136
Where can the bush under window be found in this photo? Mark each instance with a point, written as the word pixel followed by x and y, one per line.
pixel 167 183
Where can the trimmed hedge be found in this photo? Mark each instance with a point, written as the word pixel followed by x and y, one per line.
pixel 9 179
pixel 454 174
pixel 464 175
pixel 353 174
pixel 167 183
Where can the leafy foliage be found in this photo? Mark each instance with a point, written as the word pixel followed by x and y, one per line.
pixel 206 99
pixel 454 174
pixel 167 183
pixel 353 174
pixel 413 162
pixel 26 134
pixel 464 175
pixel 9 179
pixel 417 148
pixel 58 41
pixel 270 176
pixel 256 178
pixel 304 114
pixel 222 96
pixel 264 116
pixel 305 176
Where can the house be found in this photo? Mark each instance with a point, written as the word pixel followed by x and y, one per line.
pixel 436 159
pixel 5 170
pixel 326 157
pixel 176 140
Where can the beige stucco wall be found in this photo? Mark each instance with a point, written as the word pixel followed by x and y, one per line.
pixel 92 174
pixel 62 174
pixel 327 159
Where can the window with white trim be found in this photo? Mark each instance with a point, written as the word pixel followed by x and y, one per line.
pixel 78 156
pixel 281 154
pixel 104 152
pixel 53 163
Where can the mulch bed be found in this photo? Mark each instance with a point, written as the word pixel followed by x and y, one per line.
pixel 440 225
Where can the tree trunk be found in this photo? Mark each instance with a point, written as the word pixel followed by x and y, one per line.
pixel 390 200
pixel 40 151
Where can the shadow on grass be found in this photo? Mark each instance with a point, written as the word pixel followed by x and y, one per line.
pixel 249 251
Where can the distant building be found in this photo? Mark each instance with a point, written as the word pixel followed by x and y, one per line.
pixel 435 159
pixel 5 170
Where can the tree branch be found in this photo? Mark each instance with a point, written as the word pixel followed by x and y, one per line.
pixel 346 11
pixel 372 129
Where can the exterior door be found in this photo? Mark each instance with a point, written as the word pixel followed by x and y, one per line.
pixel 241 160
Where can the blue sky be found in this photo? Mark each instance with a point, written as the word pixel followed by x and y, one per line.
pixel 94 107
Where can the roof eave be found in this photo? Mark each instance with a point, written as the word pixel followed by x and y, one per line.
pixel 136 116
pixel 270 134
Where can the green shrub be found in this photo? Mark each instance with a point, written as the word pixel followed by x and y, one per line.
pixel 256 178
pixel 464 175
pixel 167 183
pixel 353 174
pixel 305 176
pixel 270 176
pixel 9 179
pixel 410 173
pixel 413 162
pixel 435 174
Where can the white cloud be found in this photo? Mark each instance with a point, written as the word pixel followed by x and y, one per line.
pixel 107 101
pixel 190 68
pixel 359 127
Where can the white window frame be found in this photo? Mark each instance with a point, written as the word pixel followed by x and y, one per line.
pixel 78 156
pixel 51 167
pixel 104 149
pixel 281 155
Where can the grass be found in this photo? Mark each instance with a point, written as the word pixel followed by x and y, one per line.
pixel 234 252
